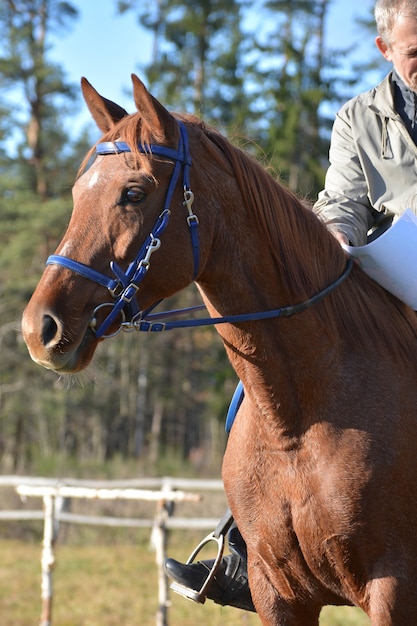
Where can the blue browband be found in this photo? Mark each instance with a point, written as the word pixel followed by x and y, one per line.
pixel 114 147
pixel 125 285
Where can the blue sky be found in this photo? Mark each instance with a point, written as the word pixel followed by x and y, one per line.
pixel 106 48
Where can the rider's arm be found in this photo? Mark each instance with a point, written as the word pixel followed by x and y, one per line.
pixel 344 204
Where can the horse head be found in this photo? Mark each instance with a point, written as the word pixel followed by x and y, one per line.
pixel 132 183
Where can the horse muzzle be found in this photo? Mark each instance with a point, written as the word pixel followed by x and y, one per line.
pixel 50 345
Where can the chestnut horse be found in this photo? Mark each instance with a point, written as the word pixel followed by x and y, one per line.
pixel 320 469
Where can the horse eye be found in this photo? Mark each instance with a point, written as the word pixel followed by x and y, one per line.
pixel 133 196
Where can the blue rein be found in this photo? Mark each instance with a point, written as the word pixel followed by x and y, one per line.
pixel 125 285
pixel 147 323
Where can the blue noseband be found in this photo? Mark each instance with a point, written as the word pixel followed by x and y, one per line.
pixel 124 285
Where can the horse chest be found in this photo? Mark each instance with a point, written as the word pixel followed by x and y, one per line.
pixel 312 492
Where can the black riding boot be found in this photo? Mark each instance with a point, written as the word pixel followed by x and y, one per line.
pixel 229 586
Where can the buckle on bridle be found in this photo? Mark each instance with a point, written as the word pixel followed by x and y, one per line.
pixel 117 291
pixel 93 322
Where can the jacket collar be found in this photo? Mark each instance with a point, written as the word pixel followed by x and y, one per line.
pixel 408 94
pixel 383 100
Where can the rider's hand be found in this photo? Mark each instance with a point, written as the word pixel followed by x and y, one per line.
pixel 341 237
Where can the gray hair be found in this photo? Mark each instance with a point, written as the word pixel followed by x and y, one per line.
pixel 386 14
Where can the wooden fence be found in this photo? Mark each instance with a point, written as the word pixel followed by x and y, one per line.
pixel 161 491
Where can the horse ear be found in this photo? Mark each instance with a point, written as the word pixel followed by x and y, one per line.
pixel 105 112
pixel 155 116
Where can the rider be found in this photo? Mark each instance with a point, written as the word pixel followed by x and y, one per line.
pixel 374 135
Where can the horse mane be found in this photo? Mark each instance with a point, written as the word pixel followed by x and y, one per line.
pixel 358 311
pixel 309 257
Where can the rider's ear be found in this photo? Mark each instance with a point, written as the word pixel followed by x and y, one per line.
pixel 156 116
pixel 384 49
pixel 105 112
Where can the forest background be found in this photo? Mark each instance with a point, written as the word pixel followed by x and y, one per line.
pixel 148 403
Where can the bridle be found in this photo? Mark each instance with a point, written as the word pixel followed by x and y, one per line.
pixel 124 286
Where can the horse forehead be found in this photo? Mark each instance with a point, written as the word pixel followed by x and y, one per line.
pixel 104 170
pixel 93 179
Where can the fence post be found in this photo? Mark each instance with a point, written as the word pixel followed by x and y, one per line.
pixel 159 542
pixel 48 559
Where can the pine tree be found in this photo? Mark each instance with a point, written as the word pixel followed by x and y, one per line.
pixel 30 78
pixel 197 56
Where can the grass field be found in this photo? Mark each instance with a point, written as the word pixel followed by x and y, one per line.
pixel 114 585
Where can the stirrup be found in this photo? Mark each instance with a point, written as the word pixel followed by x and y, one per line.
pixel 218 536
pixel 201 595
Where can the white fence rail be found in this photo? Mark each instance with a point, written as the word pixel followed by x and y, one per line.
pixel 54 493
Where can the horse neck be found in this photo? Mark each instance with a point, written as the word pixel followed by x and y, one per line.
pixel 279 360
pixel 263 250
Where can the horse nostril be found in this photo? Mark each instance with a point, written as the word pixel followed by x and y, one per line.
pixel 49 329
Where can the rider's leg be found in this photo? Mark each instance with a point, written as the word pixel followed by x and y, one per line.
pixel 230 584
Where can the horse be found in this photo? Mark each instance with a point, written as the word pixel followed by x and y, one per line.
pixel 320 469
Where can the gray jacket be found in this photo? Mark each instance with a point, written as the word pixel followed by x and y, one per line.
pixel 373 166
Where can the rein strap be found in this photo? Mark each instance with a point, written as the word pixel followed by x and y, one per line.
pixel 149 326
